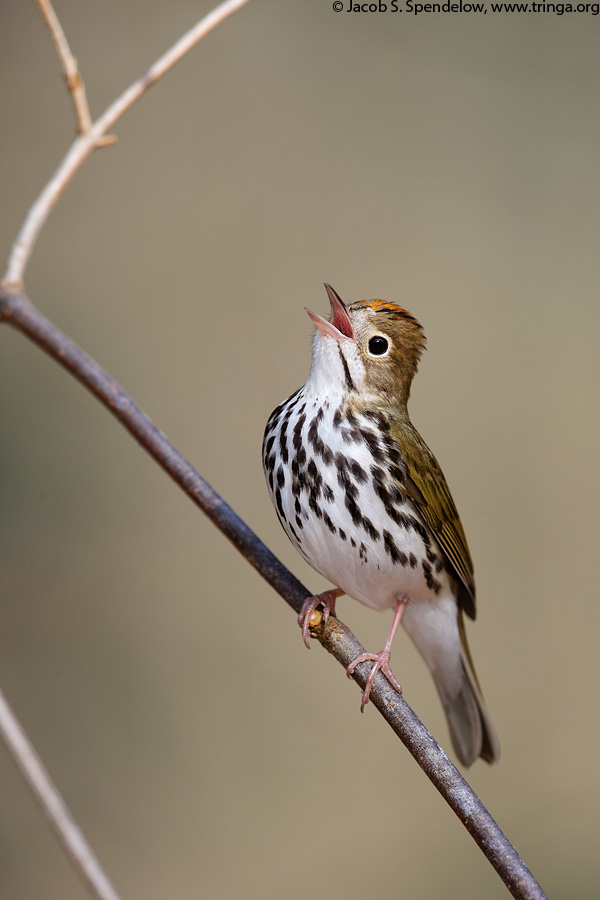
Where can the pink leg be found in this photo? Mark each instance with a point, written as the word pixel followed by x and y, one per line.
pixel 380 660
pixel 326 600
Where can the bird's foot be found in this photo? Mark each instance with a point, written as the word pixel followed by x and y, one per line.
pixel 307 617
pixel 381 662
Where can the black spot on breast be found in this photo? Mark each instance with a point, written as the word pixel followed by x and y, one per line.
pixel 329 523
pixel 345 467
pixel 420 529
pixel 400 518
pixel 398 473
pixel 283 442
pixel 343 477
pixel 396 555
pixel 292 404
pixel 297 439
pixel 378 475
pixel 379 418
pixel 312 502
pixel 327 455
pixel 320 448
pixel 372 442
pixel 353 509
pixel 358 519
pixel 432 583
pixel 358 472
pixel 393 453
pixel 280 477
pixel 430 554
pixel 299 484
pixel 370 529
pixel 351 436
pixel 390 497
pixel 279 505
pixel 273 419
pixel 300 453
pixel 385 497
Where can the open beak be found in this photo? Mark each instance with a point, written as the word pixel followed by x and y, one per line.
pixel 339 325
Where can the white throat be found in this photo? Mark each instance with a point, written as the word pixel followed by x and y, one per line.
pixel 336 367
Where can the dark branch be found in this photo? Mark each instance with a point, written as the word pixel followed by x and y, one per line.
pixel 17 310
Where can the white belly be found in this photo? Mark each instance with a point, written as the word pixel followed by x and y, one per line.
pixel 328 496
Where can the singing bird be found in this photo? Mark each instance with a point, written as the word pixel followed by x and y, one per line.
pixel 363 499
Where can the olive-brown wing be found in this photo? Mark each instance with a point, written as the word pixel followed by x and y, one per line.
pixel 428 489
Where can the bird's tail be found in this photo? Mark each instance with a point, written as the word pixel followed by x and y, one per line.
pixel 450 663
pixel 471 729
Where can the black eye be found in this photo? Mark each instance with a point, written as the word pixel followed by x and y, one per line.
pixel 378 345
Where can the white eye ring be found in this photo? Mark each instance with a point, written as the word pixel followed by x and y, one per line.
pixel 379 346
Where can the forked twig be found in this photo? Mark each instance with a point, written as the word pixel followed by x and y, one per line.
pixel 97 135
pixel 91 135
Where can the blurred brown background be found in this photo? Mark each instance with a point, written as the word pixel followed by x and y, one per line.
pixel 445 162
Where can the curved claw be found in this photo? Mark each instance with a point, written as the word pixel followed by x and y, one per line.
pixel 327 601
pixel 308 608
pixel 381 662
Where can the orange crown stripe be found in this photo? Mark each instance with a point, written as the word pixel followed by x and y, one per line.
pixel 393 309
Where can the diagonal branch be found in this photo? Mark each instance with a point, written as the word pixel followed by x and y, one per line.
pixel 97 136
pixel 18 311
pixel 61 820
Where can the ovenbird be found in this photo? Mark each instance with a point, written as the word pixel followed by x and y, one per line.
pixel 363 499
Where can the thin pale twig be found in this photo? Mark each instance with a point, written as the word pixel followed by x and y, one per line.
pixel 335 637
pixel 69 67
pixel 83 146
pixel 90 136
pixel 69 833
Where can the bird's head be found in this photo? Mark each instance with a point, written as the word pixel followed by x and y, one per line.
pixel 372 347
